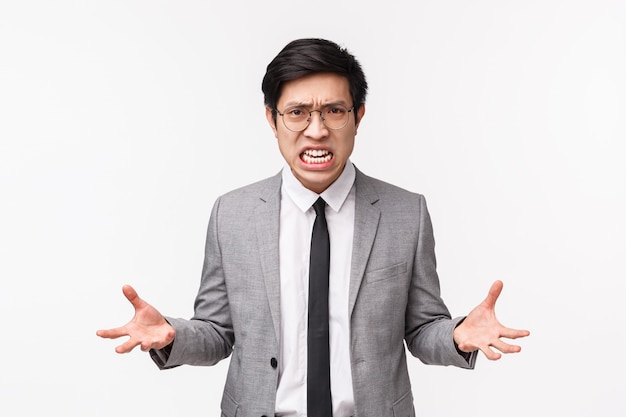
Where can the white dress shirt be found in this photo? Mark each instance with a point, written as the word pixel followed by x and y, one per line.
pixel 296 224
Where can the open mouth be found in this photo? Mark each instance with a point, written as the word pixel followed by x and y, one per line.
pixel 316 156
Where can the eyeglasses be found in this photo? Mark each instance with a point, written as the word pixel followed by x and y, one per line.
pixel 334 117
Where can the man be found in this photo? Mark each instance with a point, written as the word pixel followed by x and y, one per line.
pixel 258 298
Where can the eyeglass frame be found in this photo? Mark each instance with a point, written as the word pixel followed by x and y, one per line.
pixel 308 123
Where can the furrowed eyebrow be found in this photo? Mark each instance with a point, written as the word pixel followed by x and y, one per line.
pixel 297 104
pixel 309 105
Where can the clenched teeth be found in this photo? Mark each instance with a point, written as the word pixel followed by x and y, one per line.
pixel 316 156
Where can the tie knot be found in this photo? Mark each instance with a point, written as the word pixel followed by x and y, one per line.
pixel 320 206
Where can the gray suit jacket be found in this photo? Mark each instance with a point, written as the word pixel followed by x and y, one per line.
pixel 394 299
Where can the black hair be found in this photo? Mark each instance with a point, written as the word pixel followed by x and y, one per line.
pixel 303 57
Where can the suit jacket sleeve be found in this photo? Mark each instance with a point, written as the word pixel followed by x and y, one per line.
pixel 429 329
pixel 208 336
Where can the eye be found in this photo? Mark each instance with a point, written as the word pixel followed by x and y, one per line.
pixel 295 112
pixel 336 110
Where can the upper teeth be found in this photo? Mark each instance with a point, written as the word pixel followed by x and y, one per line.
pixel 316 152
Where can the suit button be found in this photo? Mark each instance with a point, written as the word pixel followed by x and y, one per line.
pixel 274 363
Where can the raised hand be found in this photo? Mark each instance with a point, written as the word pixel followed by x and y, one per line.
pixel 482 330
pixel 147 329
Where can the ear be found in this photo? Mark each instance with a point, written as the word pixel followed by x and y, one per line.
pixel 359 115
pixel 270 120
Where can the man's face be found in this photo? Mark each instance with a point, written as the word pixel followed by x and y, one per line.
pixel 316 155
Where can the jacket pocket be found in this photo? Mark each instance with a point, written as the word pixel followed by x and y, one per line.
pixel 385 273
pixel 229 406
pixel 404 406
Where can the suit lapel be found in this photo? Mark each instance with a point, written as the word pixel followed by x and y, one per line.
pixel 268 218
pixel 366 218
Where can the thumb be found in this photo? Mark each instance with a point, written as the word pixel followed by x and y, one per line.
pixel 494 293
pixel 132 296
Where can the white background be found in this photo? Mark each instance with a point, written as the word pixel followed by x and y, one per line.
pixel 122 121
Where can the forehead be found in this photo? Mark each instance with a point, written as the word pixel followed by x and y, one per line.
pixel 316 89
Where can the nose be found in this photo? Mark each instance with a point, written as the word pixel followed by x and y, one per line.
pixel 316 128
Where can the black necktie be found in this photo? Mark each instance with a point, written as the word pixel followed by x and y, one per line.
pixel 319 402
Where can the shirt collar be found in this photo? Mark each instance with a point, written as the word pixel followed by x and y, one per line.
pixel 335 195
